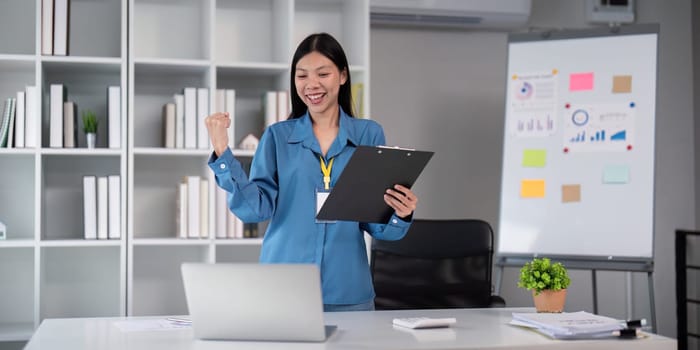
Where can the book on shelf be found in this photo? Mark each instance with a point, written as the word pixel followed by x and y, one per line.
pixel 61 19
pixel 57 97
pixel 221 210
pixel 47 27
pixel 90 206
pixel 114 216
pixel 203 208
pixel 270 107
pixel 169 125
pixel 7 114
pixel 190 117
pixel 193 204
pixel 230 107
pixel 102 208
pixel 20 119
pixel 227 224
pixel 219 102
pixel 31 117
pixel 179 100
pixel 70 124
pixel 11 124
pixel 235 225
pixel 226 102
pixel 181 223
pixel 114 117
pixel 250 230
pixel 202 113
pixel 283 105
pixel 179 120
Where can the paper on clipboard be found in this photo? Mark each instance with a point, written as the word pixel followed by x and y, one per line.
pixel 358 195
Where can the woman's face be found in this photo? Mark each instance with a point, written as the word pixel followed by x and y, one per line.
pixel 318 81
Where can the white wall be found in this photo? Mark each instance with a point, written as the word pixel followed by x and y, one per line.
pixel 444 91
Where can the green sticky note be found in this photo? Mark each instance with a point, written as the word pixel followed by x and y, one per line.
pixel 535 158
pixel 616 174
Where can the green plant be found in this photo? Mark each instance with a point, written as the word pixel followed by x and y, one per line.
pixel 89 122
pixel 541 274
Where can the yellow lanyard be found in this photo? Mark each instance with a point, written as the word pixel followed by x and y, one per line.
pixel 326 170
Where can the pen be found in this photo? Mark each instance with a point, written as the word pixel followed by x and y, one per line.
pixel 634 323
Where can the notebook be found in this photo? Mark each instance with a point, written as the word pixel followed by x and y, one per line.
pixel 258 302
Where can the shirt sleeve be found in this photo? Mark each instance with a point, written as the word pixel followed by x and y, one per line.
pixel 252 198
pixel 394 230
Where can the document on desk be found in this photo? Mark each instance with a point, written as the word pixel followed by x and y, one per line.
pixel 570 325
pixel 147 325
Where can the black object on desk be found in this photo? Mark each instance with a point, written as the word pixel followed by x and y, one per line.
pixel 358 195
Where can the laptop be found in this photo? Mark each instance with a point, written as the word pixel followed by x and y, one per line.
pixel 258 302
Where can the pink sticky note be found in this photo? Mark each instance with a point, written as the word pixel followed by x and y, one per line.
pixel 581 81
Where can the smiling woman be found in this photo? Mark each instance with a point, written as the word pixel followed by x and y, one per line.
pixel 296 163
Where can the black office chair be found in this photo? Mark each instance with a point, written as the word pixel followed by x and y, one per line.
pixel 438 264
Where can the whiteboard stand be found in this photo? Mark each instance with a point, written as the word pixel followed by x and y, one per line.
pixel 587 263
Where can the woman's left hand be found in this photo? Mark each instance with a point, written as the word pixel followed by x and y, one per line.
pixel 402 199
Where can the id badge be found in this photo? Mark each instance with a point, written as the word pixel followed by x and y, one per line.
pixel 321 196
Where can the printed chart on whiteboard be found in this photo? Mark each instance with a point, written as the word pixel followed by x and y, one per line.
pixel 578 156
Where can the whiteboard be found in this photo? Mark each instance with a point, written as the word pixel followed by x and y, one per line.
pixel 578 156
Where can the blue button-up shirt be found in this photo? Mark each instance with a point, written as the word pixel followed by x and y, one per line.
pixel 284 177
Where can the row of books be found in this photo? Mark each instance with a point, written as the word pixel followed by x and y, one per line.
pixel 183 118
pixel 194 214
pixel 276 106
pixel 101 207
pixel 64 121
pixel 55 17
pixel 19 120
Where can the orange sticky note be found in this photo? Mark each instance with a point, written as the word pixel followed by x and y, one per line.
pixel 580 81
pixel 532 188
pixel 622 84
pixel 570 193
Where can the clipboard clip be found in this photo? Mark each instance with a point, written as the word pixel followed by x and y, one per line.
pixel 397 147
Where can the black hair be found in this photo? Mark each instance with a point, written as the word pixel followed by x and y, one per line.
pixel 326 45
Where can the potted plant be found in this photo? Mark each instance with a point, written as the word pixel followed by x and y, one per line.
pixel 90 127
pixel 547 281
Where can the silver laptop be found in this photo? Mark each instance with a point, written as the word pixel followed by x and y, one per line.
pixel 275 302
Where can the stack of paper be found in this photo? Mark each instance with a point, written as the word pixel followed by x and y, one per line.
pixel 569 325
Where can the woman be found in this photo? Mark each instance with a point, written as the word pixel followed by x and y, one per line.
pixel 298 160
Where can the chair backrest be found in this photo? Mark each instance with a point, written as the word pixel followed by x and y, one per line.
pixel 438 264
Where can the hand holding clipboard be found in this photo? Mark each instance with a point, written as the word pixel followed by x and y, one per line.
pixel 358 195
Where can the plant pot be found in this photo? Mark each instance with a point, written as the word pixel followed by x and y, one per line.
pixel 550 301
pixel 91 139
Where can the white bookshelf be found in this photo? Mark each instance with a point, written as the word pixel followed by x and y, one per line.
pixel 47 268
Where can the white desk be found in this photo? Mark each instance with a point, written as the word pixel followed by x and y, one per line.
pixel 475 329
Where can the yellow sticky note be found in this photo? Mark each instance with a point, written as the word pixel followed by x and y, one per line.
pixel 535 158
pixel 622 84
pixel 532 188
pixel 570 193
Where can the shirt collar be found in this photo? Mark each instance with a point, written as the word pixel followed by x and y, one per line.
pixel 303 132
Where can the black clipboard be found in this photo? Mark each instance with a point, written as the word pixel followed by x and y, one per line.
pixel 358 195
